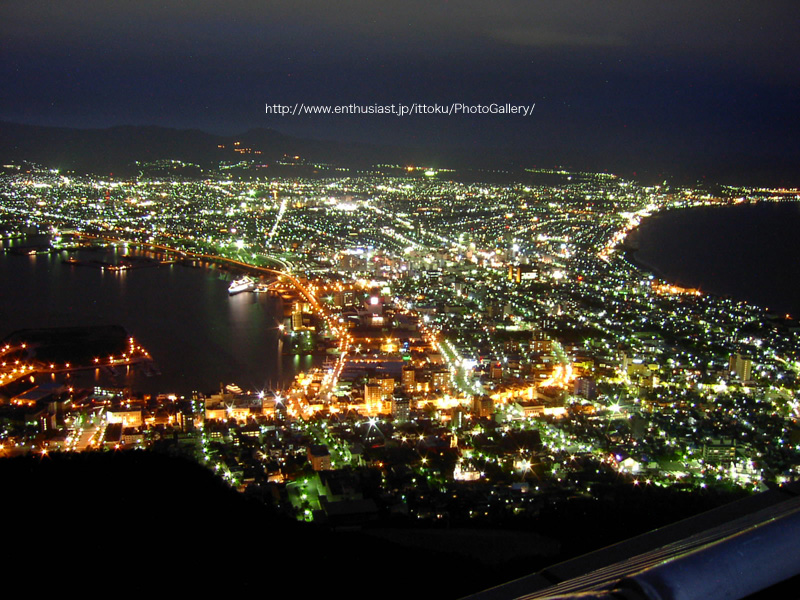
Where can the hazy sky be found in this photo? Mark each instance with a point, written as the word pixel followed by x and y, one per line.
pixel 664 85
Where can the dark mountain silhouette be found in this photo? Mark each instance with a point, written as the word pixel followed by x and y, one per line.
pixel 118 149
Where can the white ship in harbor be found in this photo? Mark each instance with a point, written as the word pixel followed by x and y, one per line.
pixel 245 284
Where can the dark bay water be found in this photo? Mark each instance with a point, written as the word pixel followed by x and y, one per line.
pixel 750 252
pixel 197 334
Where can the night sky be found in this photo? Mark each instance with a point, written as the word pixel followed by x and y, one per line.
pixel 699 87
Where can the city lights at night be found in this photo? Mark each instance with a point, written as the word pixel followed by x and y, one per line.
pixel 422 299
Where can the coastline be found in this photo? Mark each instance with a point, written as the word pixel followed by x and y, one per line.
pixel 234 344
pixel 747 252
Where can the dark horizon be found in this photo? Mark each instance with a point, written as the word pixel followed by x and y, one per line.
pixel 70 148
pixel 693 90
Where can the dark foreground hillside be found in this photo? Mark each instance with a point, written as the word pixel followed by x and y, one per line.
pixel 142 521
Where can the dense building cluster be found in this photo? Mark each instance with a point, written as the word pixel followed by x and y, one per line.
pixel 491 347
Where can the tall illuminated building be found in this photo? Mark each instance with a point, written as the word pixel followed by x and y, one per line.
pixel 741 366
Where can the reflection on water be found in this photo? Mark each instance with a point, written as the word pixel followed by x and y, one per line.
pixel 198 335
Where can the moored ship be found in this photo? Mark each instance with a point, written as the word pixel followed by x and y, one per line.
pixel 245 284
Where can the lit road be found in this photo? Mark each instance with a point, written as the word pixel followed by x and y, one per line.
pixel 462 377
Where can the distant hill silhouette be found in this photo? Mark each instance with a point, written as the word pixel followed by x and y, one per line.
pixel 117 149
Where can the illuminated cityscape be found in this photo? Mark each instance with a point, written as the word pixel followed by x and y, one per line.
pixel 490 347
pixel 479 300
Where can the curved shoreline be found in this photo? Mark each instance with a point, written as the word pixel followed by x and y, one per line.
pixel 708 271
pixel 644 266
pixel 142 315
